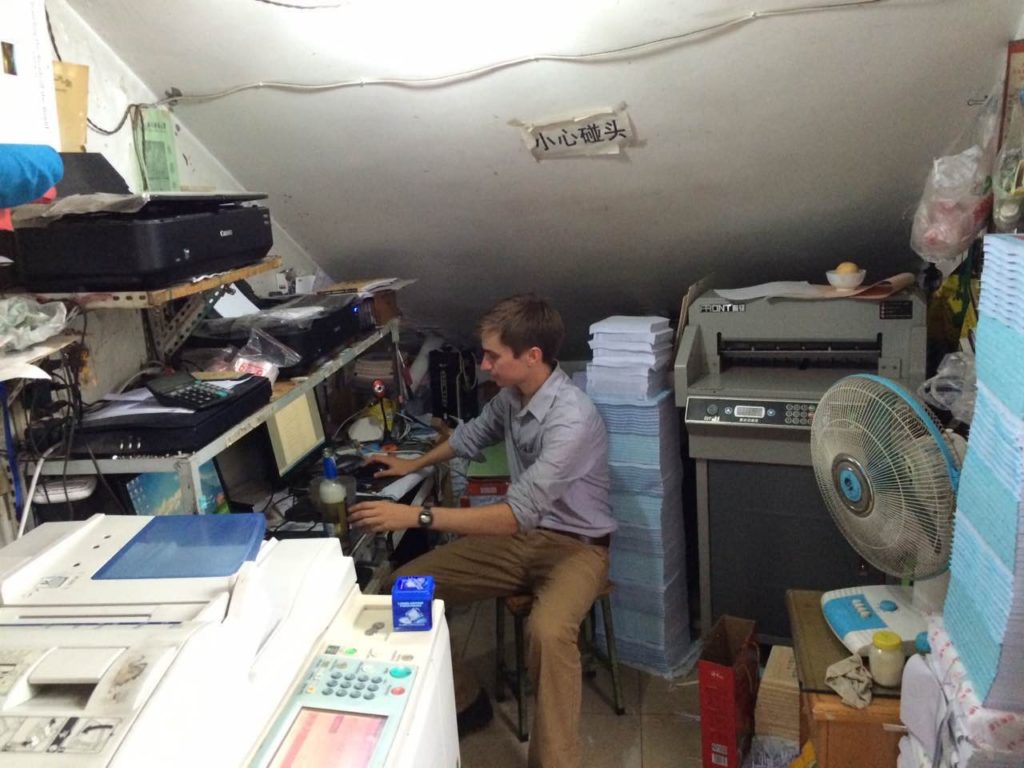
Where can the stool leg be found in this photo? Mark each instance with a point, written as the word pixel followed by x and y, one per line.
pixel 586 643
pixel 499 651
pixel 523 733
pixel 613 654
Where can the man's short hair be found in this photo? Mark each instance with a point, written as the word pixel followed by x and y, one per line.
pixel 525 321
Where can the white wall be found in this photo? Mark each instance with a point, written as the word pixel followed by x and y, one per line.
pixel 772 150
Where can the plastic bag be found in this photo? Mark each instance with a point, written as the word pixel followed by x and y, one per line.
pixel 24 322
pixel 213 359
pixel 264 355
pixel 954 386
pixel 1009 171
pixel 957 198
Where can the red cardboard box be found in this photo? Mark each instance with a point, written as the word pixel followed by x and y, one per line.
pixel 484 490
pixel 728 676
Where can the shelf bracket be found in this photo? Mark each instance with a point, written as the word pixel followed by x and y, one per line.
pixel 165 334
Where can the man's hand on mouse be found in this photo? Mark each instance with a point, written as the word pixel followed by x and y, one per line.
pixel 393 466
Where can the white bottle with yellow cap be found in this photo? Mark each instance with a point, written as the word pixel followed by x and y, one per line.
pixel 885 658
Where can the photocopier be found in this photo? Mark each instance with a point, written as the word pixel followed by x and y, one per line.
pixel 189 640
pixel 750 375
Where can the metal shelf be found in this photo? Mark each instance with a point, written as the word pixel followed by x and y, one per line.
pixel 187 465
pixel 148 299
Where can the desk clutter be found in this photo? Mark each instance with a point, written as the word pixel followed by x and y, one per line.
pixel 627 383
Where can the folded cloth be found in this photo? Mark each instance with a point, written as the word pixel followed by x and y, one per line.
pixel 851 680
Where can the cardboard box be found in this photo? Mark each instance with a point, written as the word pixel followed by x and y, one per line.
pixel 412 603
pixel 728 675
pixel 484 490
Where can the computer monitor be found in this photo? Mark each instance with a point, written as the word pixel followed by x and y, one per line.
pixel 295 432
pixel 159 493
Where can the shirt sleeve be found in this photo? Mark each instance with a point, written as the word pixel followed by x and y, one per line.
pixel 470 438
pixel 564 458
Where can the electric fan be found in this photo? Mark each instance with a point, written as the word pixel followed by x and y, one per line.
pixel 889 477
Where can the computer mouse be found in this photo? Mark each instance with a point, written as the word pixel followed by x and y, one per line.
pixel 366 472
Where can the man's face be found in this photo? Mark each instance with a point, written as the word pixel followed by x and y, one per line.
pixel 506 369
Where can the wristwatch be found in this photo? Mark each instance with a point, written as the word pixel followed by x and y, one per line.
pixel 426 517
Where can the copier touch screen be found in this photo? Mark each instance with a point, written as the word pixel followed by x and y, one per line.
pixel 325 737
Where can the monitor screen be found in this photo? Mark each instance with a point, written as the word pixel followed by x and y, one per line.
pixel 295 431
pixel 159 493
pixel 323 737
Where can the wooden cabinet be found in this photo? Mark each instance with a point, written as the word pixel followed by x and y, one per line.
pixel 843 737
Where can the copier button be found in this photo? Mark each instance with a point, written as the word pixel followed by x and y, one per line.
pixel 400 672
pixel 397 691
pixel 711 410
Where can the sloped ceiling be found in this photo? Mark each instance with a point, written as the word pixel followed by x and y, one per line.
pixel 770 150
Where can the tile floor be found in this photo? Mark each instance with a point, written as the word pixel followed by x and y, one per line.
pixel 661 727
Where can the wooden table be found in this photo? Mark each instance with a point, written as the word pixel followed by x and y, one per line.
pixel 843 737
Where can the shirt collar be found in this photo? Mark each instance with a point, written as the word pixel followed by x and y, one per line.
pixel 542 399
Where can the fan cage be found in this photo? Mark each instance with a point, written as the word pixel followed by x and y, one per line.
pixel 904 525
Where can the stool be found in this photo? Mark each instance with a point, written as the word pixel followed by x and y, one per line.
pixel 520 606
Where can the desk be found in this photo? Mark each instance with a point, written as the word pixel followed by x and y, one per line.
pixel 843 737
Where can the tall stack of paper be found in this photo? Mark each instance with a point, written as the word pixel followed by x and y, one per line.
pixel 984 610
pixel 627 381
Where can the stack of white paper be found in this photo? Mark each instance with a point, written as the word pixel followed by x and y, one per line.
pixel 984 609
pixel 631 356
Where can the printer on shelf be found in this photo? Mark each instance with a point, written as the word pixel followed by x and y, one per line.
pixel 750 376
pixel 115 242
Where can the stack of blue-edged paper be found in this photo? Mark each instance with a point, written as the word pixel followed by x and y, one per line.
pixel 627 381
pixel 984 609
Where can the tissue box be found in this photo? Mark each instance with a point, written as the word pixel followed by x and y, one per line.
pixel 412 603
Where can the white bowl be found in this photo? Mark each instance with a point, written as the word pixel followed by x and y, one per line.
pixel 848 280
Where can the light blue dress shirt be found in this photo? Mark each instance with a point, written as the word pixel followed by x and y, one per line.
pixel 557 450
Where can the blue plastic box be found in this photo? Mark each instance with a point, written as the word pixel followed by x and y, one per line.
pixel 412 603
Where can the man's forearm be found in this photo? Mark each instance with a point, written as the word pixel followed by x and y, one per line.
pixel 489 520
pixel 437 454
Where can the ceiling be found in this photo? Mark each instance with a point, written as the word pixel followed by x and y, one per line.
pixel 769 150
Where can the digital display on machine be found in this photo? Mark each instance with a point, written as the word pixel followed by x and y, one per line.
pixel 327 737
pixel 749 411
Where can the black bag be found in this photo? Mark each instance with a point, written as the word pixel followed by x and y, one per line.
pixel 453 383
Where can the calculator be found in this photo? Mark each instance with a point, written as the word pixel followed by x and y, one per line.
pixel 181 390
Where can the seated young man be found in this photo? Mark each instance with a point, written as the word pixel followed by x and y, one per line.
pixel 549 538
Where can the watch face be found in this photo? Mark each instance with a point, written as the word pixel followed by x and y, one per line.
pixel 426 517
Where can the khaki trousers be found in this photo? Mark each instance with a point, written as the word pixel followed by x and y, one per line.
pixel 565 576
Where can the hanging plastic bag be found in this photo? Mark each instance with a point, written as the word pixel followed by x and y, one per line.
pixel 263 355
pixel 957 198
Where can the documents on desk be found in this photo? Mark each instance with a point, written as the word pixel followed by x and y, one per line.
pixel 171 641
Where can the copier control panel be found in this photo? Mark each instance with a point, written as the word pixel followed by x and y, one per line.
pixel 787 414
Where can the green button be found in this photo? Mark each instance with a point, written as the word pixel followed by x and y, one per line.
pixel 350 651
pixel 401 672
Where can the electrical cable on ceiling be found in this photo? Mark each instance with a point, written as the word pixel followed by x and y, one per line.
pixel 440 81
